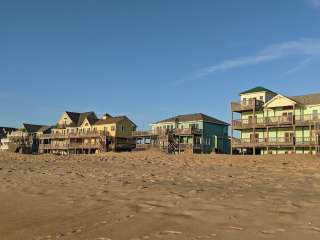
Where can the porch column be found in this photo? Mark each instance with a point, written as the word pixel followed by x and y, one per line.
pixel 294 128
pixel 231 141
pixel 254 127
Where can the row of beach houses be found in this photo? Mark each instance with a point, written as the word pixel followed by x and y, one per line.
pixel 262 122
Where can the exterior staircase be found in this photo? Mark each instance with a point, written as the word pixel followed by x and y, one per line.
pixel 173 145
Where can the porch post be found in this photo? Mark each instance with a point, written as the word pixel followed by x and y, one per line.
pixel 231 140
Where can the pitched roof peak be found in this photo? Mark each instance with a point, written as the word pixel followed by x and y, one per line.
pixel 194 117
pixel 257 89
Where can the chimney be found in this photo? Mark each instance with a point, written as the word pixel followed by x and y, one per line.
pixel 106 116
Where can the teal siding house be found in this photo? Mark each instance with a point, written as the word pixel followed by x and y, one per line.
pixel 196 133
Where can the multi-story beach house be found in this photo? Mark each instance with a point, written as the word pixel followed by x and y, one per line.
pixel 4 141
pixel 25 139
pixel 268 122
pixel 85 133
pixel 194 133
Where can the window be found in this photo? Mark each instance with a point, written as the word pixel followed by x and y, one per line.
pixel 315 114
pixel 261 98
pixel 122 128
pixel 112 128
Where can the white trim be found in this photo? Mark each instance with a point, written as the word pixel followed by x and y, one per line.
pixel 277 97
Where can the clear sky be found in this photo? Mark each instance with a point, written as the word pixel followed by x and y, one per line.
pixel 151 59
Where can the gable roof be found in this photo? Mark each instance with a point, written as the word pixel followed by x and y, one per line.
pixel 32 128
pixel 193 117
pixel 45 129
pixel 111 120
pixel 5 130
pixel 257 89
pixel 78 118
pixel 278 96
pixel 310 99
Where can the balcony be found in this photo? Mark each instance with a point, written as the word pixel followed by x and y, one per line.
pixel 69 146
pixel 277 142
pixel 249 105
pixel 306 141
pixel 248 123
pixel 164 132
pixel 74 135
pixel 53 146
pixel 307 119
pixel 280 141
pixel 187 131
pixel 277 121
pixel 143 134
pixel 263 142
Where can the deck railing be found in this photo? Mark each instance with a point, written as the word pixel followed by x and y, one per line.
pixel 299 120
pixel 177 131
pixel 275 141
pixel 247 105
pixel 187 131
pixel 143 133
pixel 69 145
pixel 74 135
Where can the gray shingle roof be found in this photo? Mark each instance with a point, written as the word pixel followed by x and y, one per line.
pixel 78 118
pixel 110 120
pixel 310 99
pixel 5 130
pixel 194 117
pixel 32 128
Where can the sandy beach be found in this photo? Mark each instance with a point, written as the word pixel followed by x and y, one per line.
pixel 150 195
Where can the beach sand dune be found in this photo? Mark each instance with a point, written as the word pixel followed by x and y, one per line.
pixel 150 195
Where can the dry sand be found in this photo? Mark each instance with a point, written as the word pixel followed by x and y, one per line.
pixel 149 195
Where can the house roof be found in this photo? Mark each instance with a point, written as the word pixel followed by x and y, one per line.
pixel 5 130
pixel 45 129
pixel 32 128
pixel 78 118
pixel 111 120
pixel 310 99
pixel 194 117
pixel 257 89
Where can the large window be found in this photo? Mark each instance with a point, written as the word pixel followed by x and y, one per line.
pixel 315 114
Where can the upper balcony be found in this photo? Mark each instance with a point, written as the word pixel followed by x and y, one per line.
pixel 248 105
pixel 187 131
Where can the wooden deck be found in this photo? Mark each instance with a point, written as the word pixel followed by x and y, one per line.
pixel 280 141
pixel 278 121
pixel 249 105
pixel 73 135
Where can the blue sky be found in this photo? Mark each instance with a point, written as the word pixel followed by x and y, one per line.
pixel 151 59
